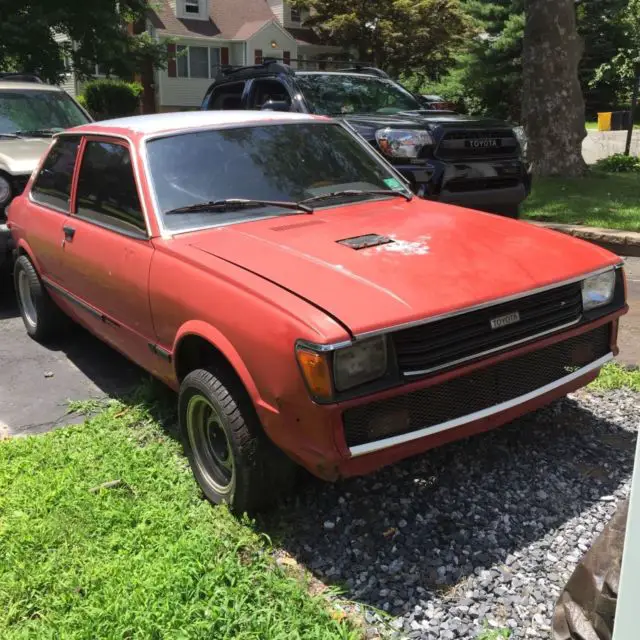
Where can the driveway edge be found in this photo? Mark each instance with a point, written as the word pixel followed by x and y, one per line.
pixel 624 243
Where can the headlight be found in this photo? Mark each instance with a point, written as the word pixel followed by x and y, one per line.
pixel 598 291
pixel 5 191
pixel 363 362
pixel 342 369
pixel 402 143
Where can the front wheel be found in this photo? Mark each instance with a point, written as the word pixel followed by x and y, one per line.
pixel 230 456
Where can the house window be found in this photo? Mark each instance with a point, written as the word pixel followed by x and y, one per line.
pixel 197 62
pixel 192 6
pixel 295 15
pixel 182 57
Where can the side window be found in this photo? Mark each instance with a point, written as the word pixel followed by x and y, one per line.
pixel 227 97
pixel 264 90
pixel 52 186
pixel 107 191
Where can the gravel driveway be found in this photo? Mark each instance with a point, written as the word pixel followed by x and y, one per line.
pixel 480 533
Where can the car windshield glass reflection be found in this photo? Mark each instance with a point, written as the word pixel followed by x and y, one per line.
pixel 283 162
pixel 328 94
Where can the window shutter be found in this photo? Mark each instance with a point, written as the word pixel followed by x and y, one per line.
pixel 224 56
pixel 286 57
pixel 258 56
pixel 171 63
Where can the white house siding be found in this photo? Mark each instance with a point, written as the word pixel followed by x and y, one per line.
pixel 175 94
pixel 69 84
pixel 262 41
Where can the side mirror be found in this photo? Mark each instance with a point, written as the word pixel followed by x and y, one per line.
pixel 275 105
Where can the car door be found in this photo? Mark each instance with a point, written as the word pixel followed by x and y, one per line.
pixel 48 206
pixel 107 250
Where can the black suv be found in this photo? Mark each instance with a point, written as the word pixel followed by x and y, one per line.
pixel 474 162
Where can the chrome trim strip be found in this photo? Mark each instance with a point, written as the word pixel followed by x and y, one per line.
pixel 71 298
pixel 363 449
pixel 322 348
pixel 494 350
pixel 485 305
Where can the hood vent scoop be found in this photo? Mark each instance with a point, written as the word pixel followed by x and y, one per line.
pixel 364 242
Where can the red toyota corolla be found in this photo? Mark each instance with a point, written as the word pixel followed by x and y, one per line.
pixel 274 270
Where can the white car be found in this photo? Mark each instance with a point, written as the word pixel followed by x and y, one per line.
pixel 31 112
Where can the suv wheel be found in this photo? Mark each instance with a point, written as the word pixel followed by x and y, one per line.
pixel 230 456
pixel 42 319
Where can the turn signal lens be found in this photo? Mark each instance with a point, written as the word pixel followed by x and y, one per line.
pixel 316 372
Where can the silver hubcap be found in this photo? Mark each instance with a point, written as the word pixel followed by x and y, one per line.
pixel 211 448
pixel 26 299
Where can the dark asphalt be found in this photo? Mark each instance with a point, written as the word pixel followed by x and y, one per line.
pixel 36 383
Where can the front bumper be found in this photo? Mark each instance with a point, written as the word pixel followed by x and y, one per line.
pixel 317 436
pixel 488 185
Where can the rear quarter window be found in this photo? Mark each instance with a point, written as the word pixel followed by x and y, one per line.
pixel 227 97
pixel 52 186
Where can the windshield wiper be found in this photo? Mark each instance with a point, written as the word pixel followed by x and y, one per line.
pixel 37 133
pixel 231 204
pixel 359 192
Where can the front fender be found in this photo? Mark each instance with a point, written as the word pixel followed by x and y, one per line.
pixel 223 345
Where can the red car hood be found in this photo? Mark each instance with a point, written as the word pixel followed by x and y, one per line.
pixel 443 259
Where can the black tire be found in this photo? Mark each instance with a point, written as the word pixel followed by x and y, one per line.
pixel 232 459
pixel 42 318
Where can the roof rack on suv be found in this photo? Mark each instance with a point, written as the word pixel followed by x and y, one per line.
pixel 269 67
pixel 362 68
pixel 20 77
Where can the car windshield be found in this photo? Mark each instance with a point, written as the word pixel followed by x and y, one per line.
pixel 277 162
pixel 37 111
pixel 341 94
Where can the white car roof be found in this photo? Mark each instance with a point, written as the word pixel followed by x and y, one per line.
pixel 184 120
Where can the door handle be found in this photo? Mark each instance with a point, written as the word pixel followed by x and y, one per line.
pixel 69 232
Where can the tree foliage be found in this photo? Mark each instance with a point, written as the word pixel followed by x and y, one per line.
pixel 621 71
pixel 110 98
pixel 486 78
pixel 398 35
pixel 487 75
pixel 601 25
pixel 50 37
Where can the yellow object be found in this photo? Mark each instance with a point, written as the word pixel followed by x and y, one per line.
pixel 604 121
pixel 315 369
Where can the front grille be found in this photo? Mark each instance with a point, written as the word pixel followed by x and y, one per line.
pixel 439 344
pixel 474 392
pixel 456 145
pixel 460 185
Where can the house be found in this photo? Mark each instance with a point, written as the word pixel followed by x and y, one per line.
pixel 204 35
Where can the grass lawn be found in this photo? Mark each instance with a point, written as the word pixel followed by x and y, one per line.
pixel 613 376
pixel 610 200
pixel 146 558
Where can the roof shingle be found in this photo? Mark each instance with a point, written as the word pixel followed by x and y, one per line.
pixel 228 19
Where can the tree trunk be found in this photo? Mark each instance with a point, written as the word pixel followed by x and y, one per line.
pixel 553 105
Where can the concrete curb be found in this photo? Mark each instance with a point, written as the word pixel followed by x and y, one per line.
pixel 624 243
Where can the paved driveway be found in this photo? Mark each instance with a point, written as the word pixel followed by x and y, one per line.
pixel 602 144
pixel 36 383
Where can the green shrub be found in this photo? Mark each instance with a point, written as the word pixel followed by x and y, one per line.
pixel 619 163
pixel 111 98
